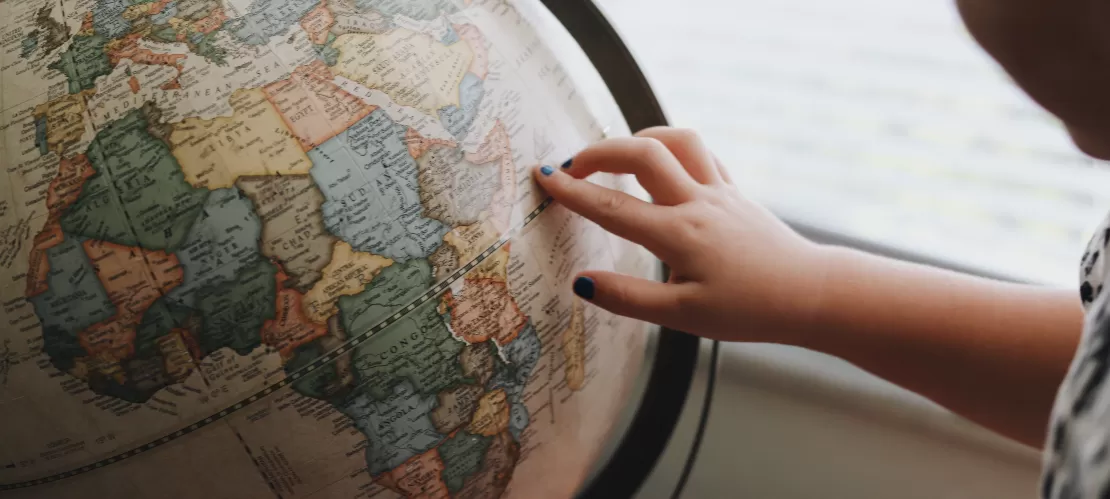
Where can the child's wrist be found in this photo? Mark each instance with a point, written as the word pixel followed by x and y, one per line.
pixel 820 262
pixel 824 272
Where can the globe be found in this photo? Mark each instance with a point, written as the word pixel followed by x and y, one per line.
pixel 292 248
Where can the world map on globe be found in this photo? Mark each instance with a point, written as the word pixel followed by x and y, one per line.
pixel 292 248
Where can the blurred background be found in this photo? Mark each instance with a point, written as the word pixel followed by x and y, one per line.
pixel 879 119
pixel 880 122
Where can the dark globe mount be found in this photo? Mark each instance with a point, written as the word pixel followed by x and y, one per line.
pixel 675 364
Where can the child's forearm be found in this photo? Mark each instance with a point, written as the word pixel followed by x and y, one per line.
pixel 993 352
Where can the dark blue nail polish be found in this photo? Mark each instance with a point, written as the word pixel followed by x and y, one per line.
pixel 568 163
pixel 584 287
pixel 547 170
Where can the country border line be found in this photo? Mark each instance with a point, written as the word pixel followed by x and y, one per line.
pixel 321 361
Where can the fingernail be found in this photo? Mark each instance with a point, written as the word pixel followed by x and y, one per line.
pixel 584 287
pixel 568 163
pixel 547 170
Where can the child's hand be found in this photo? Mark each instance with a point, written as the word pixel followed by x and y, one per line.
pixel 737 272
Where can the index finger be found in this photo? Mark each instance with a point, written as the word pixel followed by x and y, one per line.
pixel 624 215
pixel 654 166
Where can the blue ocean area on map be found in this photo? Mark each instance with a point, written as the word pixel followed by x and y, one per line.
pixel 373 200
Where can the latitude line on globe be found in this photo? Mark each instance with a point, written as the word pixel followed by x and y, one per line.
pixel 320 362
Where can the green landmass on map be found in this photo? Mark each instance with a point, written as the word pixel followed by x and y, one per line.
pixel 138 196
pixel 84 62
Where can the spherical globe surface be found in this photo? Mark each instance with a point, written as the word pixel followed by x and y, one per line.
pixel 292 248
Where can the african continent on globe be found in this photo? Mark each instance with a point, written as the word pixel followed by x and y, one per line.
pixel 292 248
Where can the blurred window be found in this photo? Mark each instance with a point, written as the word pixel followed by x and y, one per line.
pixel 878 119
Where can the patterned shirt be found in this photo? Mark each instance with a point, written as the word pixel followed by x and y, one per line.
pixel 1075 462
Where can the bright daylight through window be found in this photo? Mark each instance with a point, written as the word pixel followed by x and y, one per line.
pixel 881 120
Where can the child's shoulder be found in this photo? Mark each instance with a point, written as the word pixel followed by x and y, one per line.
pixel 1083 402
pixel 1092 267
